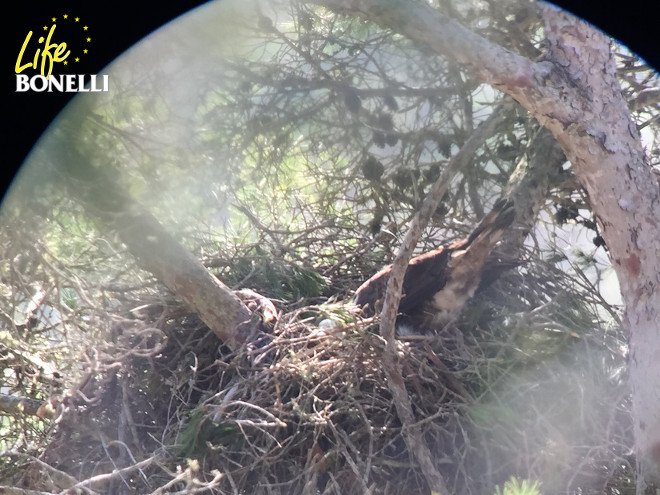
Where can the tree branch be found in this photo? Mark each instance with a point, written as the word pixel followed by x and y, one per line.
pixel 412 434
pixel 521 78
pixel 156 250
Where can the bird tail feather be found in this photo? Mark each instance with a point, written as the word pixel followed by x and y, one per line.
pixel 499 218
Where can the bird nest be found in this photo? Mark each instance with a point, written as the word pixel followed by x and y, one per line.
pixel 163 407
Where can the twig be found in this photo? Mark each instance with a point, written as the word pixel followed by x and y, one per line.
pixel 116 473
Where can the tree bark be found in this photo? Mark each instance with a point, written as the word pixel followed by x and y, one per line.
pixel 605 148
pixel 574 92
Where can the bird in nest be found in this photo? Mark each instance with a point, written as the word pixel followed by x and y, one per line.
pixel 438 284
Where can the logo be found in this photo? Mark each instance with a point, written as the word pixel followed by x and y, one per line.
pixel 51 57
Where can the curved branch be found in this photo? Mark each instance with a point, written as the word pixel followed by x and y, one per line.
pixel 524 80
pixel 156 250
pixel 412 434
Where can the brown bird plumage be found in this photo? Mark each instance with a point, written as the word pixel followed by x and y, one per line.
pixel 437 284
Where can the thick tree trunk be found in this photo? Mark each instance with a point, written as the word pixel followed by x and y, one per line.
pixel 605 149
pixel 574 92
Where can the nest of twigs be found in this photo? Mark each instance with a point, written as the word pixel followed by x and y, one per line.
pixel 165 408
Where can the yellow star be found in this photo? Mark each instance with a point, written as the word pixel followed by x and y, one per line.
pixel 85 51
pixel 54 19
pixel 66 62
pixel 85 28
pixel 45 29
pixel 66 16
pixel 77 59
pixel 77 19
pixel 89 39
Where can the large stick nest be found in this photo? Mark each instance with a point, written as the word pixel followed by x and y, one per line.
pixel 163 407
